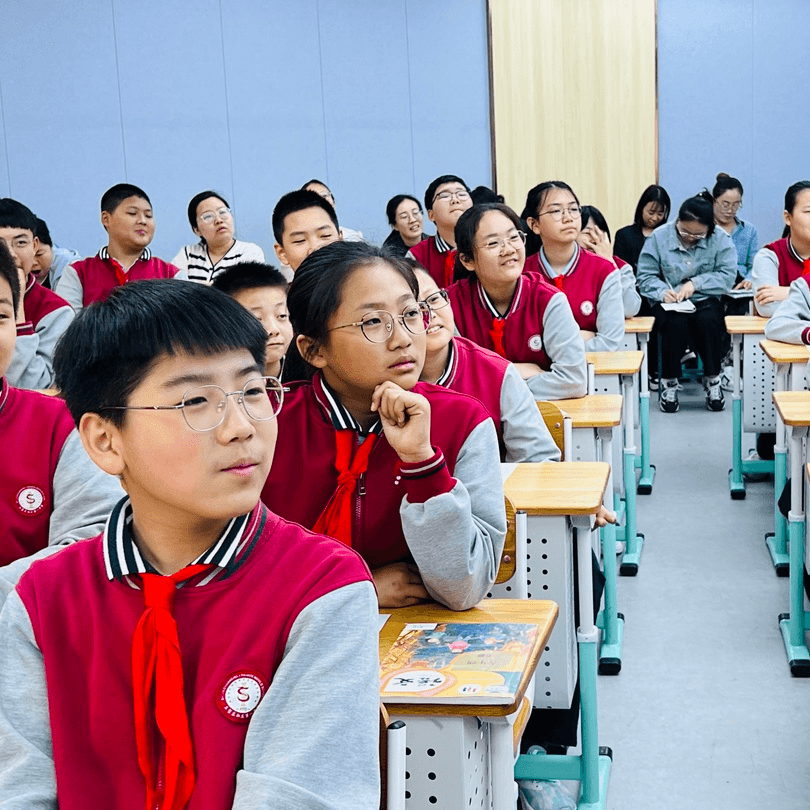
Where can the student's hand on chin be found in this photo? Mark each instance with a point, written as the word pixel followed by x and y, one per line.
pixel 399 585
pixel 406 421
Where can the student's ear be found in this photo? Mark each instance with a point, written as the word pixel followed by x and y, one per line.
pixel 533 224
pixel 340 234
pixel 280 253
pixel 105 219
pixel 786 215
pixel 305 344
pixel 466 262
pixel 102 442
pixel 197 231
pixel 431 215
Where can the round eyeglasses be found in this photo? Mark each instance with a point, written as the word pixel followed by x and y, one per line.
pixel 378 326
pixel 204 406
pixel 730 206
pixel 445 196
pixel 496 246
pixel 696 237
pixel 573 211
pixel 209 216
pixel 437 300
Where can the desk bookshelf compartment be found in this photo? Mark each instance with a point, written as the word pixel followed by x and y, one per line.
pixel 758 381
pixel 435 777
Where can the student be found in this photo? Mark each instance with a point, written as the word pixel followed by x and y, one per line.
pixel 50 260
pixel 126 214
pixel 405 218
pixel 50 491
pixel 211 219
pixel 41 315
pixel 318 187
pixel 303 221
pixel 594 291
pixel 262 291
pixel 728 194
pixel 405 472
pixel 518 315
pixel 595 236
pixel 652 210
pixel 780 263
pixel 446 199
pixel 256 661
pixel 461 365
pixel 689 260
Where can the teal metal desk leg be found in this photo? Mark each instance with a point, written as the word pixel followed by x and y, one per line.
pixel 642 462
pixel 794 624
pixel 777 540
pixel 592 768
pixel 736 484
pixel 633 540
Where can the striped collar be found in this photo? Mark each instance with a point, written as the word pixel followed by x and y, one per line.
pixel 450 368
pixel 122 558
pixel 550 271
pixel 333 408
pixel 793 252
pixel 491 308
pixel 441 245
pixel 144 257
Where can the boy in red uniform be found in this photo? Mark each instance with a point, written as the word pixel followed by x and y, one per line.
pixel 201 652
pixel 41 315
pixel 127 216
pixel 303 221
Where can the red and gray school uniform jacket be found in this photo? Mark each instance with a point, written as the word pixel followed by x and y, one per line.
pixel 437 257
pixel 445 514
pixel 537 328
pixel 594 291
pixel 94 278
pixel 279 650
pixel 48 315
pixel 791 321
pixel 495 382
pixel 51 493
pixel 777 265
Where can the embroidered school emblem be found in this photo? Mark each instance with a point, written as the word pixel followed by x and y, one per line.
pixel 30 501
pixel 536 343
pixel 586 308
pixel 241 693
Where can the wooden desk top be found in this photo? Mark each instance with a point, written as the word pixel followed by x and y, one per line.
pixel 615 362
pixel 793 407
pixel 541 612
pixel 640 324
pixel 593 410
pixel 778 352
pixel 745 324
pixel 558 488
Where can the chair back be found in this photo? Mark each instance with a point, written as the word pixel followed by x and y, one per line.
pixel 506 570
pixel 555 419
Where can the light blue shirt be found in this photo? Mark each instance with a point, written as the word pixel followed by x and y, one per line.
pixel 744 237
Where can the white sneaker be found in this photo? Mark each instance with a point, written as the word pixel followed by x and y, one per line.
pixel 669 395
pixel 714 394
pixel 727 378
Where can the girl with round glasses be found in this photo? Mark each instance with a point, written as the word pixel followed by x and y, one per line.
pixel 211 219
pixel 689 261
pixel 405 472
pixel 728 200
pixel 594 291
pixel 515 314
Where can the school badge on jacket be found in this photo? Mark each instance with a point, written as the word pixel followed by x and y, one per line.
pixel 240 694
pixel 30 501
pixel 536 343
pixel 586 308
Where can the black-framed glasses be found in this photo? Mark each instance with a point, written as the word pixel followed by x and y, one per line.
pixel 556 214
pixel 203 407
pixel 378 326
pixel 438 300
pixel 209 216
pixel 446 196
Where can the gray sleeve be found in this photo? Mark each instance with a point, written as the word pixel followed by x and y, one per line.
pixel 180 261
pixel 649 273
pixel 456 538
pixel 83 495
pixel 27 776
pixel 312 743
pixel 524 432
pixel 10 574
pixel 720 277
pixel 32 363
pixel 765 273
pixel 609 317
pixel 70 288
pixel 568 377
pixel 792 316
pixel 631 300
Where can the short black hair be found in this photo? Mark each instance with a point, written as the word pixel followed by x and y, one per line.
pixel 196 200
pixel 484 194
pixel 654 194
pixel 591 212
pixel 299 200
pixel 430 193
pixel 394 203
pixel 13 214
pixel 110 346
pixel 466 229
pixel 113 197
pixel 248 276
pixel 42 233
pixel 8 271
pixel 725 182
pixel 306 185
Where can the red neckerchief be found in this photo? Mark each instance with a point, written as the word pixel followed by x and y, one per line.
pixel 805 267
pixel 157 688
pixel 449 266
pixel 336 519
pixel 120 275
pixel 496 333
pixel 558 283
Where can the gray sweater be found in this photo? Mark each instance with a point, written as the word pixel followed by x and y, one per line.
pixel 791 320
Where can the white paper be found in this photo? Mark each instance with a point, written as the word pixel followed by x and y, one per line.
pixel 383 619
pixel 680 306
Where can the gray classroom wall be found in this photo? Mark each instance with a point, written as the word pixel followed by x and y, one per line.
pixel 371 96
pixel 249 98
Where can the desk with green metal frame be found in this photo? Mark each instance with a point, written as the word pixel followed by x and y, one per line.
pixel 641 328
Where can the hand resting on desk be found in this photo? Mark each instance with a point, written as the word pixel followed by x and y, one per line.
pixel 399 585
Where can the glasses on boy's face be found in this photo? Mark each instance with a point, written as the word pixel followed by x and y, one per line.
pixel 556 214
pixel 446 196
pixel 378 326
pixel 496 246
pixel 204 407
pixel 437 300
pixel 209 216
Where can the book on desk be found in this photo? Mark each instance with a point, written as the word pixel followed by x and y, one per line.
pixel 456 663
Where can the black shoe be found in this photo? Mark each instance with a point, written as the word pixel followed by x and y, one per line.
pixel 714 394
pixel 669 396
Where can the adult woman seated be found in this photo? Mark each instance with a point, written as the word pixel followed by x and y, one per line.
pixel 405 217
